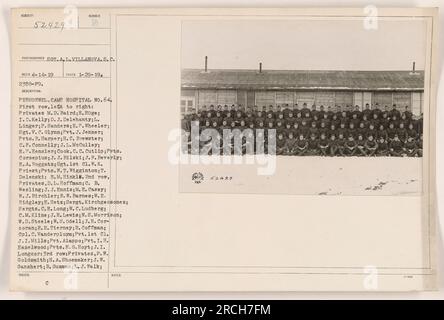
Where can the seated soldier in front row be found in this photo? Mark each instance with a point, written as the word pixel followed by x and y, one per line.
pixel 323 145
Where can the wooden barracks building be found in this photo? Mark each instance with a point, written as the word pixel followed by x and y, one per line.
pixel 280 87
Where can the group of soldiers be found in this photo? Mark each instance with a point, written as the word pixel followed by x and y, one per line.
pixel 338 131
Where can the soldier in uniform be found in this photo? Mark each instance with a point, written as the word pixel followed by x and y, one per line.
pixel 323 129
pixel 410 147
pixel 381 132
pixel 402 132
pixel 367 111
pixel 203 111
pixel 358 114
pixel 351 130
pixel 361 129
pixel 313 129
pixel 321 112
pixel 419 146
pixel 407 113
pixel 375 120
pixel 394 112
pixel 342 129
pixel 323 145
pixel 304 128
pixel 384 120
pixel 335 120
pixel 411 132
pixel 371 146
pixel 313 145
pixel 360 146
pixel 305 110
pixel 340 144
pixel 279 124
pixel 391 131
pixel 226 112
pixel 280 143
pixel 290 144
pixel 371 131
pixel 383 147
pixel 301 146
pixel 330 113
pixel 396 147
pixel 325 119
pixel 350 146
pixel 185 123
pixel 333 146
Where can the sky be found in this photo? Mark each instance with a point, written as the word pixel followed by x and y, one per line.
pixel 304 44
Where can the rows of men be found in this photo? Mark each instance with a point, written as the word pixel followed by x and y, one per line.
pixel 339 131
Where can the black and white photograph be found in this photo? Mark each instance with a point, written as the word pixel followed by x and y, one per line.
pixel 338 103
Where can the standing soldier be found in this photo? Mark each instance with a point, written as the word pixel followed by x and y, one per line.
pixel 314 112
pixel 342 129
pixel 371 131
pixel 225 112
pixel 326 120
pixel 335 120
pixel 296 129
pixel 323 129
pixel 299 118
pixel 394 112
pixel 419 146
pixel 304 128
pixel 367 111
pixel 270 112
pixel 375 120
pixel 203 111
pixel 279 125
pixel 232 111
pixel 377 109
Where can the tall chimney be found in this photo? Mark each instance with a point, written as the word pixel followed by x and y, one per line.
pixel 260 67
pixel 206 63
